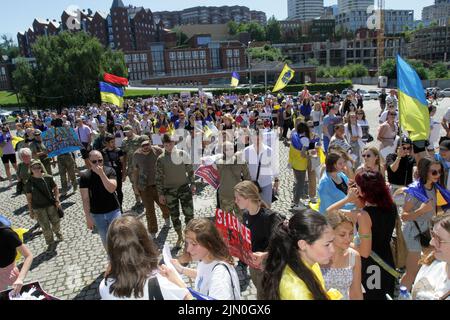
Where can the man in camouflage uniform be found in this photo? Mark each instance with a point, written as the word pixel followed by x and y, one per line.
pixel 66 167
pixel 130 145
pixel 40 152
pixel 175 184
pixel 232 170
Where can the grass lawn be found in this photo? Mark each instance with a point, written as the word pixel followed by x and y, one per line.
pixel 7 97
pixel 150 92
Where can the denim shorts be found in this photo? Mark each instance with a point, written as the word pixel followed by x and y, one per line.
pixel 410 233
pixel 102 222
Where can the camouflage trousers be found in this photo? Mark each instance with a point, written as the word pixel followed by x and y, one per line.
pixel 50 223
pixel 47 162
pixel 66 166
pixel 175 196
pixel 149 196
pixel 228 205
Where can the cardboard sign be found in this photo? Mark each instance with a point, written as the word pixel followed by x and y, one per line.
pixel 210 175
pixel 265 116
pixel 60 141
pixel 31 291
pixel 156 140
pixel 185 96
pixel 237 237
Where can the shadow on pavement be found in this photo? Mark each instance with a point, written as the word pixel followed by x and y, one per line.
pixel 21 210
pixel 43 257
pixel 90 292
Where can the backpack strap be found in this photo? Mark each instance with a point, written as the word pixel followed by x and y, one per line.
pixel 231 278
pixel 154 290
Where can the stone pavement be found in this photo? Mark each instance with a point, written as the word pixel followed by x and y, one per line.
pixel 75 270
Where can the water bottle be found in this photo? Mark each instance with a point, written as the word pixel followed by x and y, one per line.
pixel 404 294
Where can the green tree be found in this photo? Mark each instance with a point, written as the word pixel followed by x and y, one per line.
pixel 8 48
pixel 389 69
pixel 181 36
pixel 273 30
pixel 232 28
pixel 313 61
pixel 440 70
pixel 69 67
pixel 257 32
pixel 267 52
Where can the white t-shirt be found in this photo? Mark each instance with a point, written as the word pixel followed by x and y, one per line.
pixel 169 290
pixel 146 125
pixel 217 283
pixel 431 282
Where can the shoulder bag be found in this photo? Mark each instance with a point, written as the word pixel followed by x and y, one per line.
pixel 51 198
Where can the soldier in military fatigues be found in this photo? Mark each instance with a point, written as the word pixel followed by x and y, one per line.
pixel 232 170
pixel 175 184
pixel 40 152
pixel 66 167
pixel 130 145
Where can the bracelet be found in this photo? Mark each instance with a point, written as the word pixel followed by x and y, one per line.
pixel 365 236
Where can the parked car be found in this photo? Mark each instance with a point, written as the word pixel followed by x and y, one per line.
pixel 4 114
pixel 344 93
pixel 16 113
pixel 373 95
pixel 446 92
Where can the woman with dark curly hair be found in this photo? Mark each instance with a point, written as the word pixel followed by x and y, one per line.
pixel 376 223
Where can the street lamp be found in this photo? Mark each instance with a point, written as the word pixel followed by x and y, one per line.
pixel 250 65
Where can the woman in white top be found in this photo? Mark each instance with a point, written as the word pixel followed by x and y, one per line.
pixel 344 270
pixel 133 266
pixel 433 280
pixel 317 118
pixel 354 134
pixel 215 275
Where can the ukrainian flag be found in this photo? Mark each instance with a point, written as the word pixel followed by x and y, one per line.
pixel 285 77
pixel 111 94
pixel 413 107
pixel 235 79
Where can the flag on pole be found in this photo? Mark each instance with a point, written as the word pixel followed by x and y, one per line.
pixel 111 94
pixel 412 104
pixel 110 78
pixel 235 79
pixel 285 77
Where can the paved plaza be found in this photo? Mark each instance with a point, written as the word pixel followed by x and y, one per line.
pixel 76 268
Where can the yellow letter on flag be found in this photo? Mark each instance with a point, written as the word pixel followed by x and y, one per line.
pixel 285 77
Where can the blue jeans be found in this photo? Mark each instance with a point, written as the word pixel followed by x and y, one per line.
pixel 266 194
pixel 102 222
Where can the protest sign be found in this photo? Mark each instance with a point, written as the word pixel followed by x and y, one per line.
pixel 236 236
pixel 185 96
pixel 60 141
pixel 156 140
pixel 210 175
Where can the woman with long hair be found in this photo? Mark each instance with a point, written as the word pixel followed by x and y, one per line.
pixel 376 222
pixel 296 249
pixel 215 275
pixel 261 221
pixel 132 273
pixel 372 161
pixel 421 205
pixel 433 280
pixel 354 134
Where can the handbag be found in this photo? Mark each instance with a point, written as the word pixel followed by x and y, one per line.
pixel 424 237
pixel 369 138
pixel 398 246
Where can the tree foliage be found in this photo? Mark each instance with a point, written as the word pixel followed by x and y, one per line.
pixel 389 68
pixel 232 28
pixel 268 53
pixel 273 30
pixel 8 48
pixel 348 71
pixel 440 70
pixel 68 69
pixel 256 31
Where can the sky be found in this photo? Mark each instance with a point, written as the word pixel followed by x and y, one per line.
pixel 18 15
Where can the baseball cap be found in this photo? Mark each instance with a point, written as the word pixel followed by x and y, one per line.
pixel 406 140
pixel 127 128
pixel 145 142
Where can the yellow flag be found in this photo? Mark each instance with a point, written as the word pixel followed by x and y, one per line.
pixel 440 199
pixel 285 77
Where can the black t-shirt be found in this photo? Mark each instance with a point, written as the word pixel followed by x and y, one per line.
pixel 9 242
pixel 101 201
pixel 112 159
pixel 57 123
pixel 261 226
pixel 341 186
pixel 404 174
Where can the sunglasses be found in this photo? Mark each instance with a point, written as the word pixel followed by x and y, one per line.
pixel 97 161
pixel 367 156
pixel 145 145
pixel 436 172
pixel 392 114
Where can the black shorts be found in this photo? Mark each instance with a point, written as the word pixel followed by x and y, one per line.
pixel 85 151
pixel 419 146
pixel 7 158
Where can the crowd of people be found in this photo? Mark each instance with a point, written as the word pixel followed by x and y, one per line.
pixel 356 198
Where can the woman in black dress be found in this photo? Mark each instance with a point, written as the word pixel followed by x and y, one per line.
pixel 376 223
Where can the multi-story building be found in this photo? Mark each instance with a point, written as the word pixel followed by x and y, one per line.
pixel 354 5
pixel 432 44
pixel 304 9
pixel 125 28
pixel 210 15
pixel 329 12
pixel 307 31
pixel 362 49
pixel 439 13
pixel 395 21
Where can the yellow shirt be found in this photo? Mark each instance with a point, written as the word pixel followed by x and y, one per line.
pixel 293 288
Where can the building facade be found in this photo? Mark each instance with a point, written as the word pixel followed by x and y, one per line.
pixel 210 15
pixel 395 21
pixel 305 9
pixel 5 76
pixel 307 31
pixel 439 13
pixel 354 5
pixel 431 44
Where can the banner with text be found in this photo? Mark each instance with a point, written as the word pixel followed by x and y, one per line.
pixel 236 235
pixel 60 141
pixel 210 175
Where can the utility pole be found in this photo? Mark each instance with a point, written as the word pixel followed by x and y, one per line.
pixel 265 73
pixel 250 66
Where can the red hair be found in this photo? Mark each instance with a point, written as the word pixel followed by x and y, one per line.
pixel 374 189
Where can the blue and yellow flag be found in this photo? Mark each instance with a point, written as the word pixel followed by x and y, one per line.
pixel 412 106
pixel 111 94
pixel 235 79
pixel 286 75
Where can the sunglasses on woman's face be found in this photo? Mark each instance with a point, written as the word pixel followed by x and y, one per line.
pixel 436 172
pixel 367 156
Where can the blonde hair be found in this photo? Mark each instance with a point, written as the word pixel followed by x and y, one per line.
pixel 376 153
pixel 337 218
pixel 249 191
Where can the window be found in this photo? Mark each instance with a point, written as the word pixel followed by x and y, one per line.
pixel 143 57
pixel 180 55
pixel 172 56
pixel 236 52
pixel 187 55
pixel 202 54
pixel 229 53
pixel 194 54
